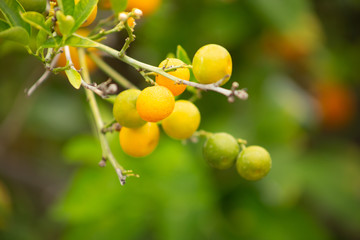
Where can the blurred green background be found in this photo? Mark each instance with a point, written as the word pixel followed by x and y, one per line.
pixel 299 61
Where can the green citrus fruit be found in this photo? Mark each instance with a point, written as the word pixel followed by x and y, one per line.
pixel 253 163
pixel 183 121
pixel 33 5
pixel 220 150
pixel 124 109
pixel 211 63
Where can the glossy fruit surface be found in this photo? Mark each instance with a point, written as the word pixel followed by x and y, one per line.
pixel 183 121
pixel 33 5
pixel 211 63
pixel 182 73
pixel 124 109
pixel 146 6
pixel 220 150
pixel 253 163
pixel 155 103
pixel 139 142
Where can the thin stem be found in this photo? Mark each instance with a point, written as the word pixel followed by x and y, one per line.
pixel 107 154
pixel 128 40
pixel 43 77
pixel 111 72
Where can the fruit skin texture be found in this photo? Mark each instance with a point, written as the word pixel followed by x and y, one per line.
pixel 139 142
pixel 124 109
pixel 182 73
pixel 33 5
pixel 211 63
pixel 220 150
pixel 183 121
pixel 146 6
pixel 253 163
pixel 91 17
pixel 155 103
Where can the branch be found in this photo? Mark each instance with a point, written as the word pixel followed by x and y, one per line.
pixel 106 151
pixel 229 93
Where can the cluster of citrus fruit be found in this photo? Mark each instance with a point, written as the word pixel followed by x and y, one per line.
pixel 138 112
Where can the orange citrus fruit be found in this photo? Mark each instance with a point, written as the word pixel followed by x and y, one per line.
pixel 155 103
pixel 91 17
pixel 139 142
pixel 146 6
pixel 182 73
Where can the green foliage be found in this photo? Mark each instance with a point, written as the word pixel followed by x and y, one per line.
pixel 118 5
pixel 74 77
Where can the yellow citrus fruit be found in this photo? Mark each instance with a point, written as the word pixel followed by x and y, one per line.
pixel 253 163
pixel 211 63
pixel 182 73
pixel 124 109
pixel 146 6
pixel 155 103
pixel 183 121
pixel 139 142
pixel 91 17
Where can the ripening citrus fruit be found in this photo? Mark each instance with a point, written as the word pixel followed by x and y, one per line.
pixel 182 73
pixel 146 6
pixel 155 103
pixel 211 63
pixel 220 150
pixel 183 121
pixel 139 142
pixel 253 163
pixel 75 56
pixel 91 17
pixel 124 109
pixel 33 5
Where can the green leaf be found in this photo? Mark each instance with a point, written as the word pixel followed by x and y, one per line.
pixel 67 6
pixel 66 23
pixel 3 25
pixel 118 5
pixel 79 41
pixel 182 55
pixel 12 10
pixel 82 11
pixel 74 78
pixel 43 35
pixel 52 42
pixel 36 20
pixel 17 34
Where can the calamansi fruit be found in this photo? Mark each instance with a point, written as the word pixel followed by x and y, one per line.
pixel 212 63
pixel 182 73
pixel 33 5
pixel 124 109
pixel 253 163
pixel 146 6
pixel 91 17
pixel 183 121
pixel 104 4
pixel 139 142
pixel 220 150
pixel 155 103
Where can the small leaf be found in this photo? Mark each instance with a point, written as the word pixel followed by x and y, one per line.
pixel 12 10
pixel 182 55
pixel 67 6
pixel 17 34
pixel 82 11
pixel 118 5
pixel 66 23
pixel 79 41
pixel 36 20
pixel 52 42
pixel 42 35
pixel 74 78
